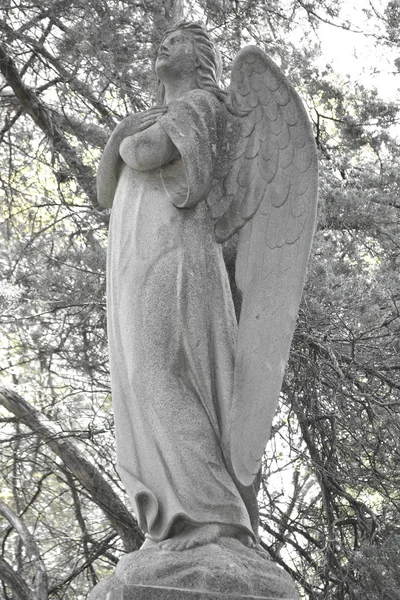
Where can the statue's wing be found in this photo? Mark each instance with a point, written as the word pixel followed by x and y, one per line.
pixel 270 196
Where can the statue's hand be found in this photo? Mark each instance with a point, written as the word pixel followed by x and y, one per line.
pixel 138 122
pixel 109 167
pixel 149 147
pixel 150 117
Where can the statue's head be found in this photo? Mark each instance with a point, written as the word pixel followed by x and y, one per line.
pixel 196 45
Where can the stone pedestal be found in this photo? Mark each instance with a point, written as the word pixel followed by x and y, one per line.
pixel 157 593
pixel 221 571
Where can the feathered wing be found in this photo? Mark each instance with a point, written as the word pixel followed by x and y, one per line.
pixel 269 195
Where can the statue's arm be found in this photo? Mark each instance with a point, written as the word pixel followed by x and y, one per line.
pixel 149 149
pixel 108 170
pixel 111 160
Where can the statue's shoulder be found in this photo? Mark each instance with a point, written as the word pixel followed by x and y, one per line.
pixel 202 99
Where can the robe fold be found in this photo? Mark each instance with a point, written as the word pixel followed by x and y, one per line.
pixel 172 330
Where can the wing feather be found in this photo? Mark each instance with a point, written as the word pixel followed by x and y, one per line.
pixel 271 185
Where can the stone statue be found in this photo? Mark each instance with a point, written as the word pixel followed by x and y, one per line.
pixel 193 392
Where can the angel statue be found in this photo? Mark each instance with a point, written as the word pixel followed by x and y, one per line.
pixel 194 392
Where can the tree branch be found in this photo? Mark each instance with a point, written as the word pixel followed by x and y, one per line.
pixel 88 476
pixel 42 117
pixel 278 559
pixel 15 581
pixel 82 525
pixel 88 132
pixel 40 590
pixel 97 551
pixel 69 78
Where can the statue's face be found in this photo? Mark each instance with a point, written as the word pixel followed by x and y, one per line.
pixel 176 56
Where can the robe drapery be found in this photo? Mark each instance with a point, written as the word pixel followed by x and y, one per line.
pixel 171 331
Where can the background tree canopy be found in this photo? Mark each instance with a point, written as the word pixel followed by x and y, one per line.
pixel 330 499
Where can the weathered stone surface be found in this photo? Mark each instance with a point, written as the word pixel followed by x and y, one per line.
pixel 158 593
pixel 225 569
pixel 193 394
pixel 109 588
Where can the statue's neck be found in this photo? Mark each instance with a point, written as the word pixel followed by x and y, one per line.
pixel 177 88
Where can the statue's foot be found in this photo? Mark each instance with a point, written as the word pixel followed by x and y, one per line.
pixel 200 535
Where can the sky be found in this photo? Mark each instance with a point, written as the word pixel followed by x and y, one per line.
pixel 356 55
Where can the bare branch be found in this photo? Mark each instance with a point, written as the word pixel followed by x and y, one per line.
pixel 15 581
pixel 44 119
pixel 101 493
pixel 86 132
pixel 40 580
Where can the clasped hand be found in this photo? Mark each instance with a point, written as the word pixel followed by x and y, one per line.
pixel 150 117
pixel 138 122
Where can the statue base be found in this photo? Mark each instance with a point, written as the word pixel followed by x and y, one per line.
pixel 219 571
pixel 156 593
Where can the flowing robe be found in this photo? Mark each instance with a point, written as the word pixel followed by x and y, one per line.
pixel 171 331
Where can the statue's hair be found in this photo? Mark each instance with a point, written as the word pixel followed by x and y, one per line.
pixel 210 64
